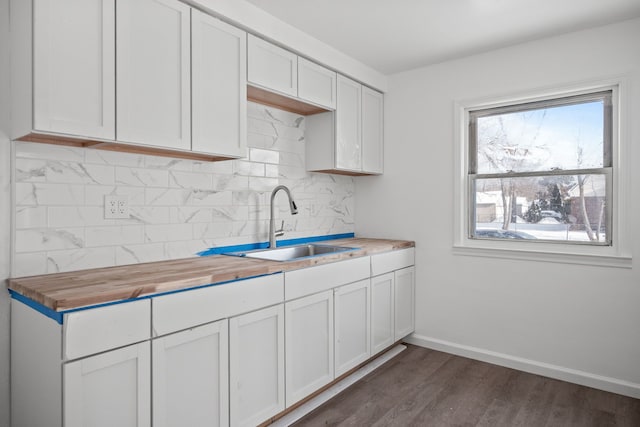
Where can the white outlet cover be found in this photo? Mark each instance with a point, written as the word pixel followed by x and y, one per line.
pixel 116 207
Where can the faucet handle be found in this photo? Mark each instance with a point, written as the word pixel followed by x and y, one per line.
pixel 280 232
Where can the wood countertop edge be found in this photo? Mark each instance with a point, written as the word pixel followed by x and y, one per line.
pixel 74 290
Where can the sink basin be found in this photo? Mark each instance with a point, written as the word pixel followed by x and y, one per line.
pixel 292 253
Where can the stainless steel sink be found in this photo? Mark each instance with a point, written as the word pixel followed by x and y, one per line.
pixel 292 253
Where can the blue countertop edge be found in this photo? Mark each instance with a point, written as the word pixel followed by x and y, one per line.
pixel 58 316
pixel 263 245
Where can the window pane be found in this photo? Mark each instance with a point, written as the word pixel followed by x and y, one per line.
pixel 542 139
pixel 558 208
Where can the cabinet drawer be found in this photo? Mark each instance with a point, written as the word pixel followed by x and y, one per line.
pixel 390 261
pixel 95 330
pixel 187 309
pixel 306 281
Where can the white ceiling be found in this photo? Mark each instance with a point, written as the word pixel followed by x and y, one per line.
pixel 398 35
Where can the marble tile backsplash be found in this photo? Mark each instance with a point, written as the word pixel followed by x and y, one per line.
pixel 177 207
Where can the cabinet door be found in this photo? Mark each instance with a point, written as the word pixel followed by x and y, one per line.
pixel 404 302
pixel 256 370
pixel 309 345
pixel 109 389
pixel 153 72
pixel 316 83
pixel 74 67
pixel 352 325
pixel 382 312
pixel 348 132
pixel 219 82
pixel 272 67
pixel 191 377
pixel 372 131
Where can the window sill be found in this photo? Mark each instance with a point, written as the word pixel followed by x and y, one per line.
pixel 539 256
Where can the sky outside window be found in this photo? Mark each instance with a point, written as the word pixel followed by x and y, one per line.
pixel 561 137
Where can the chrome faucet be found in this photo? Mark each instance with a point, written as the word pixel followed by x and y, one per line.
pixel 273 233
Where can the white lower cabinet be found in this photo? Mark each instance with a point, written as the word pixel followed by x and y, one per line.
pixel 392 307
pixel 404 306
pixel 382 312
pixel 352 325
pixel 256 366
pixel 190 377
pixel 309 345
pixel 109 389
pixel 231 354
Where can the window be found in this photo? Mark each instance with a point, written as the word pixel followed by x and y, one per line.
pixel 542 171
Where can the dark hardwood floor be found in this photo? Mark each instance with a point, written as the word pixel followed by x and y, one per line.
pixel 422 387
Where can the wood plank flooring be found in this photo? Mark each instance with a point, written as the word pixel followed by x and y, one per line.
pixel 422 387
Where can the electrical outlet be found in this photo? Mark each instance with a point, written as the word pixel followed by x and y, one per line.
pixel 116 207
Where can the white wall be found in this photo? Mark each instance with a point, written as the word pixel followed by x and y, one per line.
pixel 564 320
pixel 5 206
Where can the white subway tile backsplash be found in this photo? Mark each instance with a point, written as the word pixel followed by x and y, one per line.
pixel 142 177
pixel 150 214
pixel 113 158
pixel 229 182
pixel 29 264
pixel 135 254
pixel 213 230
pixel 224 167
pixel 47 239
pixel 114 235
pixel 49 194
pixel 79 173
pixel 32 150
pixel 167 163
pixel 177 207
pixel 188 214
pixel 31 217
pixel 31 170
pixel 263 184
pixel 264 156
pixel 59 261
pixel 168 233
pixel 241 167
pixel 230 213
pixel 179 179
pixel 255 140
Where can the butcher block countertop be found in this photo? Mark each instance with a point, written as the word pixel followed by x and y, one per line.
pixel 65 291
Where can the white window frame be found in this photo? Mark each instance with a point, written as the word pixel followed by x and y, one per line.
pixel 618 254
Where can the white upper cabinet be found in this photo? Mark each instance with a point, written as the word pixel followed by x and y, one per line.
pixel 63 68
pixel 372 130
pixel 316 84
pixel 348 130
pixel 219 86
pixel 153 73
pixel 350 139
pixel 272 67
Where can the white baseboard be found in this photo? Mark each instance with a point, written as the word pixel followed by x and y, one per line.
pixel 600 382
